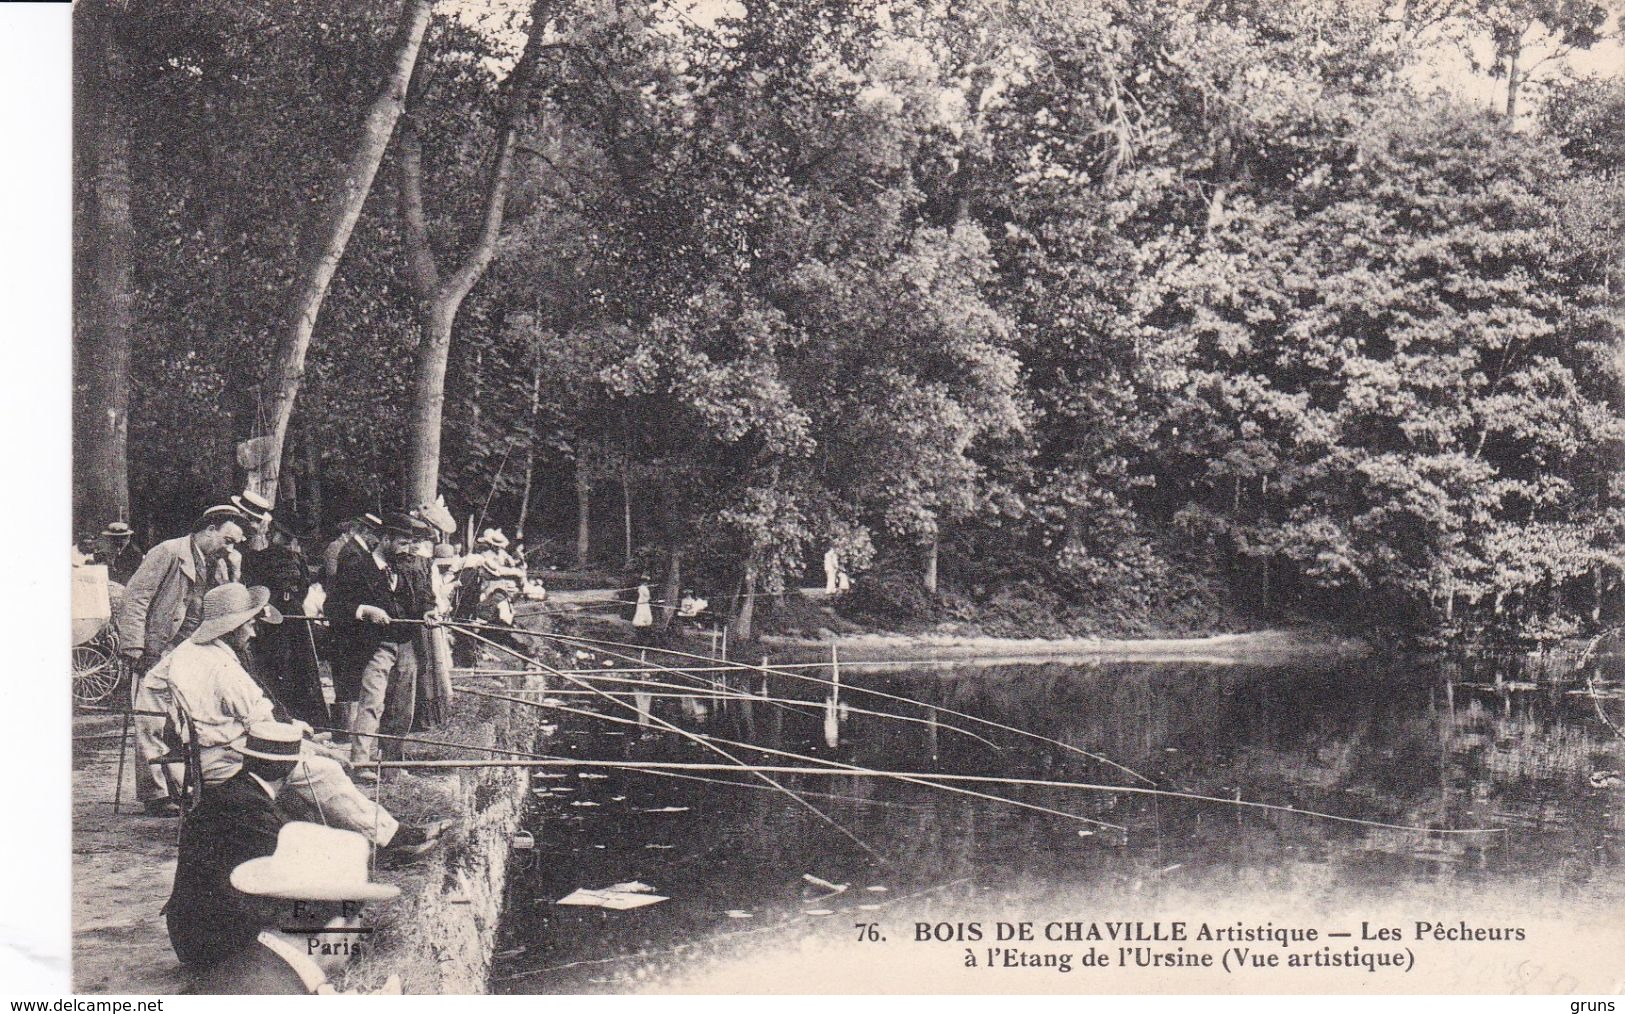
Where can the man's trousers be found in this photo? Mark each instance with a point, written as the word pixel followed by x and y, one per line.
pixel 319 791
pixel 389 683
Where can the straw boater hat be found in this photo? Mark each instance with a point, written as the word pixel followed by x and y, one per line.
pixel 273 741
pixel 230 606
pixel 117 529
pixel 224 512
pixel 253 506
pixel 313 863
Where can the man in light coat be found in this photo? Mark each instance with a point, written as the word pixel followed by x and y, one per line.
pixel 163 604
pixel 204 679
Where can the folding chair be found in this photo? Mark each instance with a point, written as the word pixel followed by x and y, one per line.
pixel 180 736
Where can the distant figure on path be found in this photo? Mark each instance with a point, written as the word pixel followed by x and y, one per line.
pixel 642 615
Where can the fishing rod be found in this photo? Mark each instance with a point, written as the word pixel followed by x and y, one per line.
pixel 906 775
pixel 886 803
pixel 1154 792
pixel 728 693
pixel 916 779
pixel 531 755
pixel 857 689
pixel 826 818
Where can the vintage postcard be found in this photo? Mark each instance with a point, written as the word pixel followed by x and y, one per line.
pixel 847 497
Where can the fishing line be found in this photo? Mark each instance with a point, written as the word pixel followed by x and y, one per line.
pixel 832 766
pixel 728 693
pixel 868 690
pixel 826 818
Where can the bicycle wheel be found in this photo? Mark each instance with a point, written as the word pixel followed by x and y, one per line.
pixel 94 675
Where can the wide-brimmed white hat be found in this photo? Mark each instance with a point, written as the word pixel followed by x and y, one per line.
pixel 493 537
pixel 312 863
pixel 229 606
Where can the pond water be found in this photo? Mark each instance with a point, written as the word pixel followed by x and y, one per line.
pixel 748 871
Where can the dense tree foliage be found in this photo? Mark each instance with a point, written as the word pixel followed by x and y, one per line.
pixel 1127 314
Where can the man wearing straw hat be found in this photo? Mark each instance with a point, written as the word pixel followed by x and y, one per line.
pixel 118 553
pixel 162 605
pixel 205 678
pixel 311 887
pixel 236 820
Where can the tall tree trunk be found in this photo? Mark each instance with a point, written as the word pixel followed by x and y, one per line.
pixel 313 480
pixel 530 444
pixel 104 291
pixel 1596 592
pixel 524 498
pixel 931 563
pixel 333 235
pixel 441 297
pixel 583 513
pixel 745 615
pixel 626 509
pixel 673 589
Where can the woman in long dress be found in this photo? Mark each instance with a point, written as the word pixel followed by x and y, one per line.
pixel 643 616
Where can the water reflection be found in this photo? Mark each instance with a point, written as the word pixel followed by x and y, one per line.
pixel 1394 744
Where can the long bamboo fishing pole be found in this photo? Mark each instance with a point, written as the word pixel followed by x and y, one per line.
pixel 611 676
pixel 905 775
pixel 531 755
pixel 916 779
pixel 826 818
pixel 1169 793
pixel 867 690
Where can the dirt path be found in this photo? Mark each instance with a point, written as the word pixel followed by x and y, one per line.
pixel 123 867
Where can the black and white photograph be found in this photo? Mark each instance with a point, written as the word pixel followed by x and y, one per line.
pixel 1097 497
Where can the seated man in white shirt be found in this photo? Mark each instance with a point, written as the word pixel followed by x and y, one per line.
pixel 204 677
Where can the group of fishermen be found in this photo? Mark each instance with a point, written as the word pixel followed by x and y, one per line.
pixel 230 717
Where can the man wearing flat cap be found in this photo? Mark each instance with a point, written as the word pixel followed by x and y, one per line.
pixel 208 686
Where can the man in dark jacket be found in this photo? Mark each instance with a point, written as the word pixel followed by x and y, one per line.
pixel 314 884
pixel 118 553
pixel 285 654
pixel 235 821
pixel 348 655
pixel 369 595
